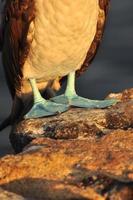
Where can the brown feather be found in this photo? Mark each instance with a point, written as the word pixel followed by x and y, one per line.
pixel 18 16
pixel 103 8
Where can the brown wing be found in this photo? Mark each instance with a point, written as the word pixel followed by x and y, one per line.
pixel 103 7
pixel 17 18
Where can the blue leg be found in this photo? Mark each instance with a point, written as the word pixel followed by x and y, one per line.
pixel 43 107
pixel 71 98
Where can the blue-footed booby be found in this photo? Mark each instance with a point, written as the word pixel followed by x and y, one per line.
pixel 43 41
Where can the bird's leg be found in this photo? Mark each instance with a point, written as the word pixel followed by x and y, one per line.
pixel 72 99
pixel 43 107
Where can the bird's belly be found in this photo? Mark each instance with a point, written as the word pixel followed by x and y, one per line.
pixel 62 33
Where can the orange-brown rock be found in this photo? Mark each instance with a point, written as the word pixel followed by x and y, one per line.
pixel 123 96
pixel 82 154
pixel 78 169
pixel 77 123
pixel 5 195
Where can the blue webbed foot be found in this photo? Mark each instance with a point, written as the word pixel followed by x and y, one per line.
pixel 78 101
pixel 45 108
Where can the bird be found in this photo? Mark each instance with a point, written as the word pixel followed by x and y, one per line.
pixel 43 41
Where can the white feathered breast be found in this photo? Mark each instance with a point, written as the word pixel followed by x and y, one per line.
pixel 61 35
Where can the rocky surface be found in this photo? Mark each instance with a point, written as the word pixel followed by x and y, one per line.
pixel 72 169
pixel 77 123
pixel 81 154
pixel 5 195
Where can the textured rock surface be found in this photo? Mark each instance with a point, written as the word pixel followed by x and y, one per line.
pixel 77 123
pixel 80 154
pixel 74 169
pixel 5 195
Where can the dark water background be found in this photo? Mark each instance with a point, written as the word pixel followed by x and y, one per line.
pixel 112 69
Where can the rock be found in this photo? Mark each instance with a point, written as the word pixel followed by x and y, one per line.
pixel 80 154
pixel 5 195
pixel 124 96
pixel 124 193
pixel 77 123
pixel 72 169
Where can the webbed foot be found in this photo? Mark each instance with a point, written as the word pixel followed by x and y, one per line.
pixel 45 108
pixel 78 101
